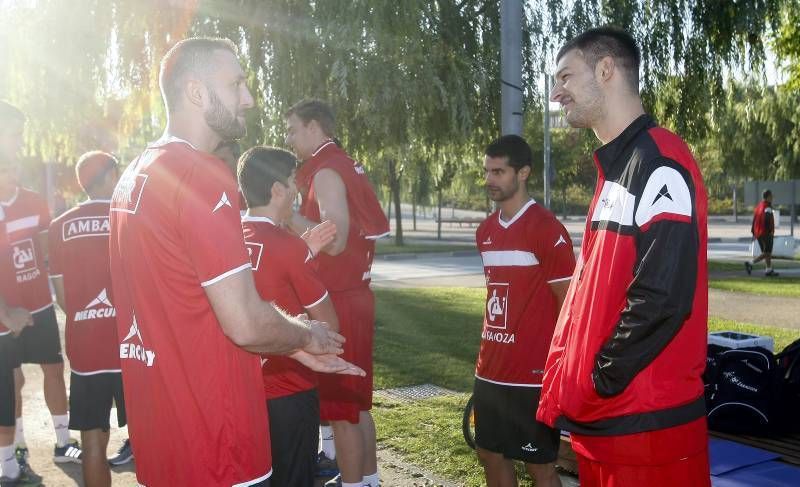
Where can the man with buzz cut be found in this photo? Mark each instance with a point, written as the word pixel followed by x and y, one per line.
pixel 190 321
pixel 27 221
pixel 335 187
pixel 624 371
pixel 284 269
pixel 528 262
pixel 81 278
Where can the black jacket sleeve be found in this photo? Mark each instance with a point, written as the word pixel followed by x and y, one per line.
pixel 659 299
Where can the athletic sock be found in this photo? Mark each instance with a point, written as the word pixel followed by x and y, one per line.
pixel 19 434
pixel 328 446
pixel 8 462
pixel 61 425
pixel 371 480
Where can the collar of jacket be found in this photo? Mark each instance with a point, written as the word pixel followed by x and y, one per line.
pixel 610 154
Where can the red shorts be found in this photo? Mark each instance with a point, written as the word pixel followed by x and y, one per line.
pixel 668 457
pixel 343 397
pixel 692 471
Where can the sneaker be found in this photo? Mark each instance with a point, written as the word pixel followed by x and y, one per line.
pixel 124 455
pixel 771 273
pixel 26 478
pixel 748 267
pixel 326 467
pixel 334 482
pixel 69 453
pixel 22 454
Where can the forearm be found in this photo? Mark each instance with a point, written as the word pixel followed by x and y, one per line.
pixel 273 331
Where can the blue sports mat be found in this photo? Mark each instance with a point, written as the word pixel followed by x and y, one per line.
pixel 726 456
pixel 767 474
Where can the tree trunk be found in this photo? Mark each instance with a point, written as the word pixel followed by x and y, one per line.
pixel 394 184
pixel 414 207
pixel 439 218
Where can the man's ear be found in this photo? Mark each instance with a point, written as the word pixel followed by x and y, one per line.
pixel 196 92
pixel 524 172
pixel 605 68
pixel 277 191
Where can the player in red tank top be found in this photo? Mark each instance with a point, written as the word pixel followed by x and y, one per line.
pixel 335 187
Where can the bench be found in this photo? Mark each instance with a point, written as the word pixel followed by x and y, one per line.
pixel 460 220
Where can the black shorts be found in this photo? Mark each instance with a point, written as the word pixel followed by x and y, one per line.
pixel 40 343
pixel 8 396
pixel 765 242
pixel 505 423
pixel 91 398
pixel 294 435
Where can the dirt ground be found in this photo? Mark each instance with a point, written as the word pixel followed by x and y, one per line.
pixel 41 439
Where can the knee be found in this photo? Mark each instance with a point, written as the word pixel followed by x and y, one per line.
pixel 489 458
pixel 55 371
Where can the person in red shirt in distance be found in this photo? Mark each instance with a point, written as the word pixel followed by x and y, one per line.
pixel 81 277
pixel 285 273
pixel 189 317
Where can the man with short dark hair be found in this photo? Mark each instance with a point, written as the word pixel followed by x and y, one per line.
pixel 81 278
pixel 189 316
pixel 27 220
pixel 624 370
pixel 528 261
pixel 763 230
pixel 284 269
pixel 335 187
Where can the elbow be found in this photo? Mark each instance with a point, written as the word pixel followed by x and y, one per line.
pixel 336 247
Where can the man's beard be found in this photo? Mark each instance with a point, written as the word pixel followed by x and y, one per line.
pixel 584 116
pixel 222 121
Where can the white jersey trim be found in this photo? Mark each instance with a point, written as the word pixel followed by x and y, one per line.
pixel 96 372
pixel 40 309
pixel 22 223
pixel 508 258
pixel 226 274
pixel 506 224
pixel 4 333
pixel 11 200
pixel 91 201
pixel 326 144
pixel 376 237
pixel 56 275
pixel 560 279
pixel 317 301
pixel 507 383
pixel 262 219
pixel 254 481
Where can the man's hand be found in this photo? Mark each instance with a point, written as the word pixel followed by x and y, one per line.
pixel 323 340
pixel 328 364
pixel 16 319
pixel 319 236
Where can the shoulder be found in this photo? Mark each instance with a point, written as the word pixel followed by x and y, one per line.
pixel 71 213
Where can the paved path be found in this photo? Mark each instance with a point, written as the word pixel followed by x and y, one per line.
pixel 434 270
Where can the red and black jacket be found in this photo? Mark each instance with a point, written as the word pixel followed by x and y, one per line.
pixel 629 349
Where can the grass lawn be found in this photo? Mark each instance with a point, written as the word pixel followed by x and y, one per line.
pixel 416 248
pixel 738 265
pixel 779 286
pixel 432 335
